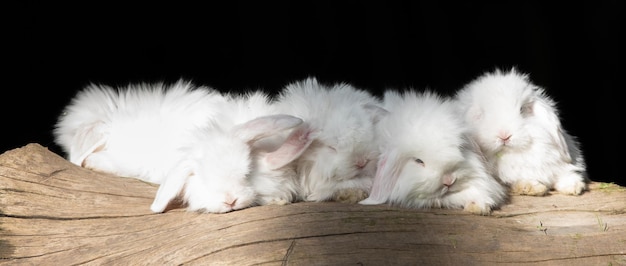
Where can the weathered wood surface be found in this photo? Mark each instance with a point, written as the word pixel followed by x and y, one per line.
pixel 52 212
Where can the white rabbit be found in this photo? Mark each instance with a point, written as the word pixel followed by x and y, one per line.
pixel 271 174
pixel 518 128
pixel 213 174
pixel 134 131
pixel 427 160
pixel 193 141
pixel 340 163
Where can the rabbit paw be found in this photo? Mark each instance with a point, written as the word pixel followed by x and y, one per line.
pixel 474 208
pixel 572 184
pixel 530 188
pixel 274 201
pixel 350 195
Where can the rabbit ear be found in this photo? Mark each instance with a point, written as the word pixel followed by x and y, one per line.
pixel 471 145
pixel 546 115
pixel 87 140
pixel 297 142
pixel 376 112
pixel 265 126
pixel 385 180
pixel 172 186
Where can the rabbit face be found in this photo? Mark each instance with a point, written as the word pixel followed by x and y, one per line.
pixel 501 114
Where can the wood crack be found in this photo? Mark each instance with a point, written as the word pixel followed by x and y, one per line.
pixel 288 253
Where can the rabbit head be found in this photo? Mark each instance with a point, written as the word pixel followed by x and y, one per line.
pixel 343 153
pixel 517 126
pixel 426 159
pixel 213 176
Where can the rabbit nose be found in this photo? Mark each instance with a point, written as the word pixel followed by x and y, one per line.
pixel 361 163
pixel 448 180
pixel 231 203
pixel 504 136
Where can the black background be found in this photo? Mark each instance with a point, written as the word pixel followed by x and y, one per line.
pixel 574 51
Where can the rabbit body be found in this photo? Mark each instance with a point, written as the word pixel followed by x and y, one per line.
pixel 195 142
pixel 135 131
pixel 517 126
pixel 427 160
pixel 340 162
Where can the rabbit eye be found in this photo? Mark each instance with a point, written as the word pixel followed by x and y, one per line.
pixel 419 161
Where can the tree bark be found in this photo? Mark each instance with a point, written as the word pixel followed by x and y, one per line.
pixel 54 212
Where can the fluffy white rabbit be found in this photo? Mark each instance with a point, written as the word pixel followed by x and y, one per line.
pixel 340 162
pixel 134 131
pixel 518 128
pixel 192 141
pixel 271 174
pixel 427 160
pixel 213 174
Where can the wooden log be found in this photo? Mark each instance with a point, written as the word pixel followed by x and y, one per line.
pixel 53 212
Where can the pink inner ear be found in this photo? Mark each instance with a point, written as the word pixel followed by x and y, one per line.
pixel 388 172
pixel 385 179
pixel 297 142
pixel 376 192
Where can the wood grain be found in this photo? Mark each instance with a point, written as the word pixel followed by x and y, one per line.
pixel 55 213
